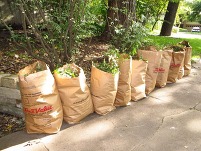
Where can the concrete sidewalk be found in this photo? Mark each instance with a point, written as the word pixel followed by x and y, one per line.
pixel 168 120
pixel 186 35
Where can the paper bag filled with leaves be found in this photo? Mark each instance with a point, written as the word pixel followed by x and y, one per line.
pixel 74 93
pixel 163 70
pixel 124 85
pixel 181 70
pixel 175 65
pixel 104 82
pixel 154 60
pixel 187 60
pixel 40 99
pixel 139 69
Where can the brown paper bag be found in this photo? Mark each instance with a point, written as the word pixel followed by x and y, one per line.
pixel 124 85
pixel 75 96
pixel 181 70
pixel 103 90
pixel 139 69
pixel 154 59
pixel 41 102
pixel 177 58
pixel 163 70
pixel 187 60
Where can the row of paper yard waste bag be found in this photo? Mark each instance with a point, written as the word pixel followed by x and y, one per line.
pixel 49 99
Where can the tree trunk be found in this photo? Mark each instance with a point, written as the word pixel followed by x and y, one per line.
pixel 109 28
pixel 169 18
pixel 116 15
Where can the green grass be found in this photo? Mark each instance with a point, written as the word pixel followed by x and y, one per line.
pixel 160 42
pixel 182 30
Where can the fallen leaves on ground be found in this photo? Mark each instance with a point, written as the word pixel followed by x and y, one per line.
pixel 10 124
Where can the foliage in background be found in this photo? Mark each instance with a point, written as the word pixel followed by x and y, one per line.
pixel 129 39
pixel 95 18
pixel 54 30
pixel 126 34
pixel 183 11
pixel 150 12
pixel 119 12
pixel 195 14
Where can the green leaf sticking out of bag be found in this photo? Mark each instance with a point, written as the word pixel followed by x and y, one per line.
pixel 68 71
pixel 109 65
pixel 177 48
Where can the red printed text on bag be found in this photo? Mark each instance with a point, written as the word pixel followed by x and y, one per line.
pixel 175 65
pixel 38 110
pixel 159 70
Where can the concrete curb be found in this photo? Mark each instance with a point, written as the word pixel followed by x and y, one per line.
pixel 10 97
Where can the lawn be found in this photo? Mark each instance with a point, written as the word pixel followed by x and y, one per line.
pixel 161 42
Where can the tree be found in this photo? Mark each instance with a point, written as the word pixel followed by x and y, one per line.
pixel 124 33
pixel 149 12
pixel 195 15
pixel 120 12
pixel 53 29
pixel 183 11
pixel 169 18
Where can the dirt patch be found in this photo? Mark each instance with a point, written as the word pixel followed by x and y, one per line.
pixel 13 59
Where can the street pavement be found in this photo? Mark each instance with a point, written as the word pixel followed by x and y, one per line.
pixel 186 35
pixel 169 119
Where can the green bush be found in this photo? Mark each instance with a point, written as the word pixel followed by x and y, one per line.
pixel 129 39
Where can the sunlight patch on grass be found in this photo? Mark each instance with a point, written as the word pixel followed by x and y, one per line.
pixel 195 57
